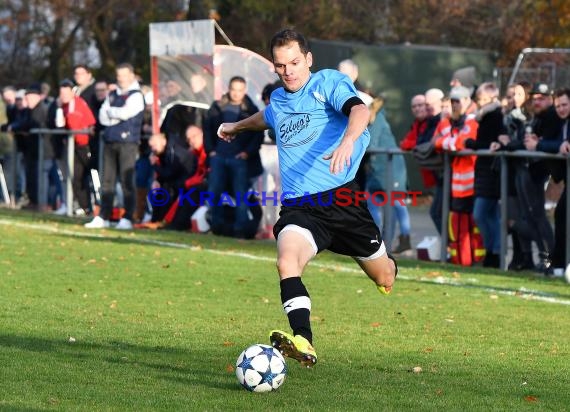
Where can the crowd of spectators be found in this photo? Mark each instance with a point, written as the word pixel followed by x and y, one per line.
pixel 529 117
pixel 187 154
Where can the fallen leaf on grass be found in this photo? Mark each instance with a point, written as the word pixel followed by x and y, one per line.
pixel 113 305
pixel 228 343
pixel 230 368
pixel 427 350
pixel 531 398
pixel 375 324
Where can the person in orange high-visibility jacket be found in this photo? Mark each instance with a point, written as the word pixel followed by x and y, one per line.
pixel 450 135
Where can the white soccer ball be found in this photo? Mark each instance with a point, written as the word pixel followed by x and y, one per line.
pixel 261 368
pixel 567 273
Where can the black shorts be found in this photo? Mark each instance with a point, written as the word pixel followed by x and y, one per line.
pixel 337 219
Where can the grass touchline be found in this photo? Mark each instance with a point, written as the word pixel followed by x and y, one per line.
pixel 522 293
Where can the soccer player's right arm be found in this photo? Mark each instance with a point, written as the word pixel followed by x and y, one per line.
pixel 255 122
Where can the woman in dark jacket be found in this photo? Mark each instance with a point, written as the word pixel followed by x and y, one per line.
pixel 486 208
pixel 515 122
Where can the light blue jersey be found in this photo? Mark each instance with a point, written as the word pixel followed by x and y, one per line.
pixel 309 124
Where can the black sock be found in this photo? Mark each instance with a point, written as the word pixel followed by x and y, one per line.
pixel 297 306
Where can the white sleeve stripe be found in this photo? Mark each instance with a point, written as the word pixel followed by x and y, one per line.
pixel 300 302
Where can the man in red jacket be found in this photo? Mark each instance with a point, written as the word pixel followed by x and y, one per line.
pixel 180 217
pixel 184 173
pixel 76 116
pixel 418 128
pixel 418 106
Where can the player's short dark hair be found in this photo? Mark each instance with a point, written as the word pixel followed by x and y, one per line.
pixel 286 36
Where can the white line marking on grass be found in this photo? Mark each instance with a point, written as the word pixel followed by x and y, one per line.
pixel 522 293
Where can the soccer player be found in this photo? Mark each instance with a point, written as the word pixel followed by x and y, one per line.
pixel 320 123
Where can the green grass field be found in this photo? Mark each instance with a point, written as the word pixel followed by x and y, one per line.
pixel 106 320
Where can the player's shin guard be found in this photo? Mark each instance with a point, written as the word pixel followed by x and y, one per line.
pixel 297 306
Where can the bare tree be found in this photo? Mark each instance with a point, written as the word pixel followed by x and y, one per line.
pixel 44 39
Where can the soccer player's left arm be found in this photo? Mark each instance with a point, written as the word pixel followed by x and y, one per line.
pixel 358 118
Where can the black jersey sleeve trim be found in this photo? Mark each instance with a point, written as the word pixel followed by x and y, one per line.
pixel 353 101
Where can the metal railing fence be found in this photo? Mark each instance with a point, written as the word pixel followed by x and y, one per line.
pixel 503 155
pixel 389 226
